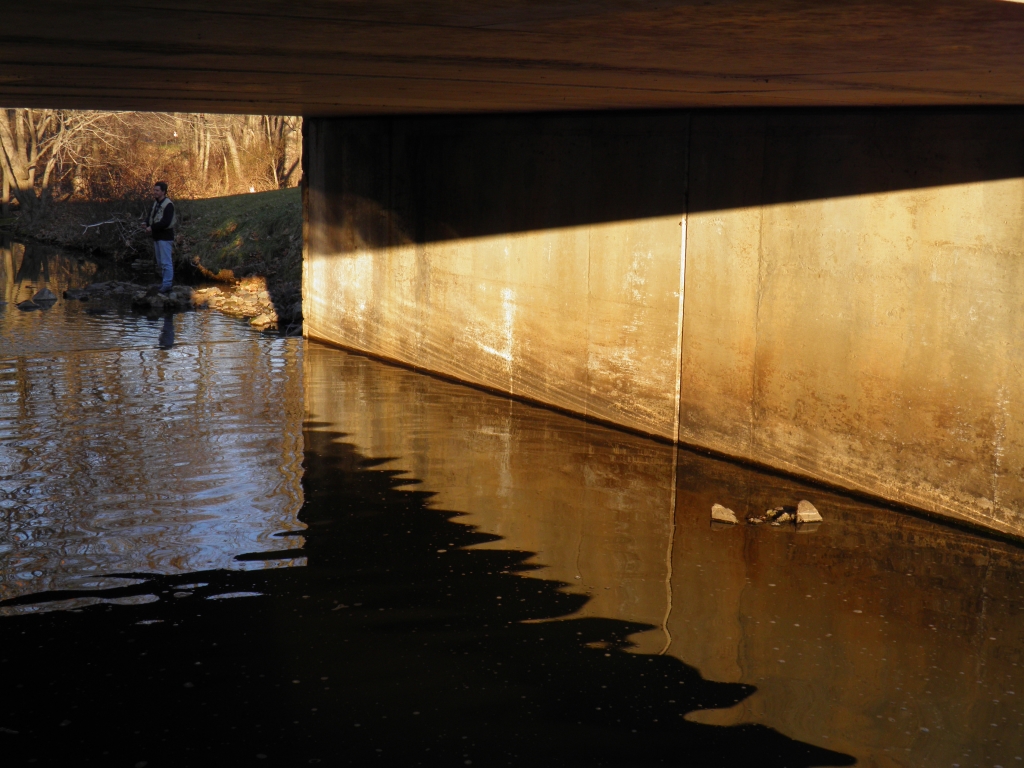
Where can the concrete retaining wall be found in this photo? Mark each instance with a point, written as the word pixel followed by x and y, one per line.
pixel 491 250
pixel 852 280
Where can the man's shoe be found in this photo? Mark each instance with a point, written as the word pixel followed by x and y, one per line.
pixel 165 291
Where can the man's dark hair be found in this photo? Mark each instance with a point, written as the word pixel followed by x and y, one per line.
pixel 162 185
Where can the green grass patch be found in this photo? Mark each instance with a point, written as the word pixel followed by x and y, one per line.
pixel 257 233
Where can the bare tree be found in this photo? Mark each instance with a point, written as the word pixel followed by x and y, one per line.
pixel 19 152
pixel 105 155
pixel 38 146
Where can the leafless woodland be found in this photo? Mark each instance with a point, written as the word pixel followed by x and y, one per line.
pixel 54 155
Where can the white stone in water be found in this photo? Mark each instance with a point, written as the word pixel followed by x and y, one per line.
pixel 722 514
pixel 807 513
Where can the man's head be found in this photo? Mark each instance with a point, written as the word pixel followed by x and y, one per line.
pixel 160 190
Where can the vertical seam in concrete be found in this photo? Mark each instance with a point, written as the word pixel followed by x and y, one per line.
pixel 679 333
pixel 679 394
pixel 590 235
pixel 757 307
pixel 682 286
pixel 304 287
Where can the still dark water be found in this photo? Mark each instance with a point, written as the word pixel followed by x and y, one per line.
pixel 249 550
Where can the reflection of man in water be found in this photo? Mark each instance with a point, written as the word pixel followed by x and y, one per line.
pixel 160 225
pixel 166 340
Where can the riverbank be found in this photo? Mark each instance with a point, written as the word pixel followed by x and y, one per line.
pixel 248 245
pixel 251 246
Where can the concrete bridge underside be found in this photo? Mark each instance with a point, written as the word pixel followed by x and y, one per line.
pixel 343 57
pixel 688 219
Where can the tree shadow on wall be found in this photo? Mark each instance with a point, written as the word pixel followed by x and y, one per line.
pixel 394 646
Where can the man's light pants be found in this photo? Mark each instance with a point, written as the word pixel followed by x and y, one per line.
pixel 164 265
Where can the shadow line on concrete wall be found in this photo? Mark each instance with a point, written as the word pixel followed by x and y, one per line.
pixel 430 179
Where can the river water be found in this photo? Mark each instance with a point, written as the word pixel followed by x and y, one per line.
pixel 229 548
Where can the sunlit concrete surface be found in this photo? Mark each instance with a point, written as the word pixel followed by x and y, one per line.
pixel 867 338
pixel 851 280
pixel 447 245
pixel 396 56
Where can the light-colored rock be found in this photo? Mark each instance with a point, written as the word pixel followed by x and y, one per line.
pixel 720 514
pixel 807 513
pixel 263 321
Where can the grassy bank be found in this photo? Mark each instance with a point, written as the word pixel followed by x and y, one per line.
pixel 222 237
pixel 257 237
pixel 242 235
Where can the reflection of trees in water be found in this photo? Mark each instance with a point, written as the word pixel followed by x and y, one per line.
pixel 27 268
pixel 396 645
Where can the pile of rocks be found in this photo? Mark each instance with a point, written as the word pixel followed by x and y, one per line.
pixel 178 299
pixel 110 290
pixel 249 298
pixel 802 514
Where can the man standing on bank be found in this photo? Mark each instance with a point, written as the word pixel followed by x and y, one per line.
pixel 160 225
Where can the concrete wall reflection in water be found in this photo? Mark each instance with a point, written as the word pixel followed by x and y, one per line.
pixel 885 636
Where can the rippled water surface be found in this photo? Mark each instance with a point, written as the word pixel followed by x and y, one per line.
pixel 243 549
pixel 120 457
